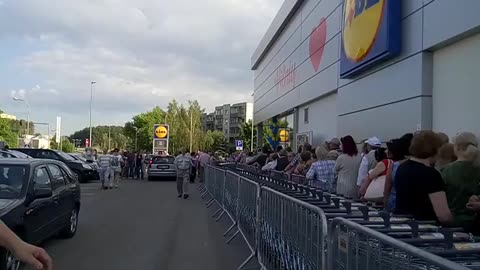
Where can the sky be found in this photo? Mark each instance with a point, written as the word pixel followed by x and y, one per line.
pixel 141 53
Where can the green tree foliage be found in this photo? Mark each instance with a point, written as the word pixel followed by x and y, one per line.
pixel 67 146
pixel 100 135
pixel 246 135
pixel 7 134
pixel 183 121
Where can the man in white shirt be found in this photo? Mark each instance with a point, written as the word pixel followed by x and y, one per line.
pixel 368 160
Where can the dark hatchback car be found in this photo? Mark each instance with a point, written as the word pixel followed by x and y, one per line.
pixel 161 167
pixel 38 199
pixel 83 171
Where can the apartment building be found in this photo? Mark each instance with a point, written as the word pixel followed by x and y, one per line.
pixel 228 119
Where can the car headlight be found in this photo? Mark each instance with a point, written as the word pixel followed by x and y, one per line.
pixel 86 166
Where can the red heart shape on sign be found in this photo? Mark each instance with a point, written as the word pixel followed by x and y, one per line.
pixel 317 43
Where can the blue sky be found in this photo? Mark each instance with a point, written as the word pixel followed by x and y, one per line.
pixel 142 53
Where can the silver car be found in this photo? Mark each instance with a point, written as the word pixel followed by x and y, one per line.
pixel 161 167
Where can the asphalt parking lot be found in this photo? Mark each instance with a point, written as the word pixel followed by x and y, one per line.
pixel 144 226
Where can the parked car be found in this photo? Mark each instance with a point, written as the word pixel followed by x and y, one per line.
pixel 94 165
pixel 161 167
pixel 13 154
pixel 148 158
pixel 39 198
pixel 83 171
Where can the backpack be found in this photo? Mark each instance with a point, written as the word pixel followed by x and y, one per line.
pixel 184 163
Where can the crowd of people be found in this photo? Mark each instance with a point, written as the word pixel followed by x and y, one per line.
pixel 421 174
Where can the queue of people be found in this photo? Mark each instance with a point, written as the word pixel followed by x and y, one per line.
pixel 421 174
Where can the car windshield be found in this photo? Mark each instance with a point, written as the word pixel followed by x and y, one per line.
pixel 20 154
pixel 81 158
pixel 163 160
pixel 12 179
pixel 65 156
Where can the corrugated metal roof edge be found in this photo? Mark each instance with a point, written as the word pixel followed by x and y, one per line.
pixel 281 20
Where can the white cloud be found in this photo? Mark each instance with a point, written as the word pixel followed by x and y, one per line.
pixel 142 53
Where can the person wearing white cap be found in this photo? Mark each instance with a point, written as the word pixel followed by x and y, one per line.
pixel 368 161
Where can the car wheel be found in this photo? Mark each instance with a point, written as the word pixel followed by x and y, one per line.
pixel 78 176
pixel 71 228
pixel 8 261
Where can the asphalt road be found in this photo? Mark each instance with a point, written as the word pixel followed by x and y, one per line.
pixel 144 226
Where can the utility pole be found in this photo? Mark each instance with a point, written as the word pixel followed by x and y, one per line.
pixel 91 101
pixel 109 135
pixel 191 131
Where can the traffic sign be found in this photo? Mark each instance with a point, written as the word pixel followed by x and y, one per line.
pixel 239 145
pixel 160 138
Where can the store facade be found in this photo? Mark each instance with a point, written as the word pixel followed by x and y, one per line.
pixel 370 68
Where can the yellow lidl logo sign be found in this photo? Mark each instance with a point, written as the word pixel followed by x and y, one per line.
pixel 362 22
pixel 284 135
pixel 161 132
pixel 371 33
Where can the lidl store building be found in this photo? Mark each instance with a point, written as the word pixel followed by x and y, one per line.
pixel 370 67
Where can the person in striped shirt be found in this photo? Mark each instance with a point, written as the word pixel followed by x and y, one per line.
pixel 105 168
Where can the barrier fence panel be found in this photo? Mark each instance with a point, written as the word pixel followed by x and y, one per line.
pixel 230 200
pixel 292 233
pixel 209 178
pixel 247 213
pixel 299 179
pixel 353 246
pixel 279 175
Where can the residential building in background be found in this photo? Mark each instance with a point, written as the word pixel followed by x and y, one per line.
pixel 8 116
pixel 228 119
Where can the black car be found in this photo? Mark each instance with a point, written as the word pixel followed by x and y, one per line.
pixel 92 164
pixel 83 171
pixel 39 198
pixel 13 154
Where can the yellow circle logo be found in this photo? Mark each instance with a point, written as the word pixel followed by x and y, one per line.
pixel 284 135
pixel 161 132
pixel 362 20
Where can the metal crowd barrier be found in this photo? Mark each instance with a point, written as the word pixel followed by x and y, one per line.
pixel 291 233
pixel 290 238
pixel 353 246
pixel 284 221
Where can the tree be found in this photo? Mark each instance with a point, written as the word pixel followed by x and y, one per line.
pixel 184 122
pixel 67 146
pixel 246 135
pixel 100 136
pixel 7 134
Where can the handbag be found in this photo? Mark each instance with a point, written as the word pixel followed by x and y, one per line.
pixel 376 188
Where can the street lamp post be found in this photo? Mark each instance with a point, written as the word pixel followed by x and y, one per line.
pixel 136 138
pixel 28 112
pixel 91 101
pixel 191 131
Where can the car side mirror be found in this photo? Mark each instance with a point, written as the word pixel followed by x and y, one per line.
pixel 41 193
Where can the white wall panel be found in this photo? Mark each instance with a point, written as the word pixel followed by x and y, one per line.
pixel 273 55
pixel 456 95
pixel 446 19
pixel 330 10
pixel 386 122
pixel 322 119
pixel 397 82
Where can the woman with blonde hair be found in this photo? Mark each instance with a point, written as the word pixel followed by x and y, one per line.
pixel 446 155
pixel 462 179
